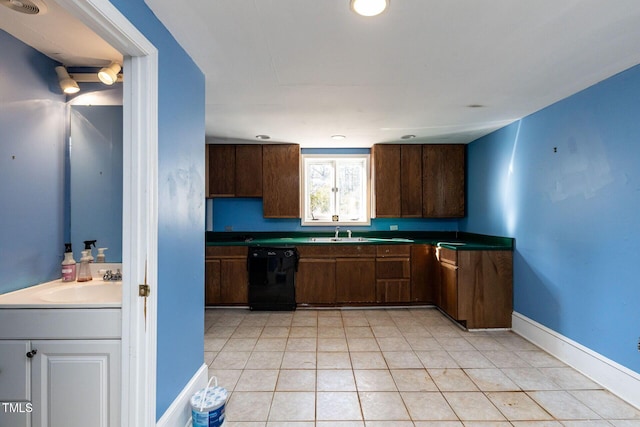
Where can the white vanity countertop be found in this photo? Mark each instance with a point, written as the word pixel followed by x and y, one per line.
pixel 95 293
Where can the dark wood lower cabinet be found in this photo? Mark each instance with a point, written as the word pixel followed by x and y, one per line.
pixel 212 282
pixel 316 281
pixel 234 281
pixel 355 280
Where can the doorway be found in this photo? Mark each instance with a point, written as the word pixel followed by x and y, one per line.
pixel 140 221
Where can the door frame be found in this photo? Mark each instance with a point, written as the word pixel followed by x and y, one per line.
pixel 140 204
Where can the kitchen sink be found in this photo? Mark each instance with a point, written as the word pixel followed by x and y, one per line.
pixel 337 239
pixel 439 244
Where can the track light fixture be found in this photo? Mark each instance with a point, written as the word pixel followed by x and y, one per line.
pixel 109 75
pixel 67 84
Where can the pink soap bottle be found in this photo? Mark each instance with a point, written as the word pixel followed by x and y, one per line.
pixel 68 264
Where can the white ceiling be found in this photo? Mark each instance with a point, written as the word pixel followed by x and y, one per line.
pixel 303 70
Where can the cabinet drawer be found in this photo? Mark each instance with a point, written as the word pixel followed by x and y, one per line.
pixel 393 250
pixel 336 251
pixel 393 268
pixel 448 256
pixel 226 251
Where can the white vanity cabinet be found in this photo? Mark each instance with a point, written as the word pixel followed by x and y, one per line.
pixel 63 365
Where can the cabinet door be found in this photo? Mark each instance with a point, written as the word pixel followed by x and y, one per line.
pixel 15 383
pixel 316 281
pixel 248 171
pixel 234 281
pixel 281 181
pixel 411 180
pixel 443 183
pixel 355 280
pixel 393 290
pixel 76 383
pixel 449 289
pixel 212 282
pixel 221 170
pixel 387 185
pixel 424 274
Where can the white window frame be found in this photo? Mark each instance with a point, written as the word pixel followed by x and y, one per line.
pixel 303 189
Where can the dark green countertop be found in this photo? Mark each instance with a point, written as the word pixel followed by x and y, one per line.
pixel 445 239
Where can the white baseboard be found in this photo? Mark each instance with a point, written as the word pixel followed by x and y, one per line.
pixel 179 412
pixel 616 378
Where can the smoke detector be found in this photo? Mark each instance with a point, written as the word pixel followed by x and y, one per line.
pixel 28 7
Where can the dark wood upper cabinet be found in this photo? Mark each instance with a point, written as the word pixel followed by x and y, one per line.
pixel 411 180
pixel 281 181
pixel 221 170
pixel 248 170
pixel 386 166
pixel 443 181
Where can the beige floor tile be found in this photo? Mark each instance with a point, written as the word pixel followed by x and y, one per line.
pixel 455 344
pixel 536 423
pixel 540 359
pixel 363 344
pixel 586 423
pixel 334 321
pixel 471 359
pixel 332 344
pixel 240 344
pixel 340 423
pixel 248 406
pixel 334 360
pixel 413 380
pixel 227 378
pixel 491 380
pixel 214 344
pixel 402 360
pixel 290 424
pixel 428 406
pixel 331 332
pixel 530 379
pixel 443 330
pixel 358 332
pixel 293 406
pixel 296 380
pixel 381 331
pixel 368 360
pixel 517 406
pixel 562 405
pixel 338 406
pixel 230 360
pixel 257 380
pixel 484 343
pixel 505 359
pixel 302 344
pixel 220 332
pixel 438 424
pixel 303 332
pixel 374 380
pixel 414 329
pixel 271 344
pixel 209 356
pixel 569 379
pixel 275 332
pixel 419 343
pixel 279 319
pixel 438 359
pixel 394 423
pixel 304 321
pixel 473 406
pixel 228 423
pixel 452 380
pixel 335 380
pixel 393 344
pixel 355 321
pixel 607 405
pixel 298 360
pixel 247 332
pixel 378 406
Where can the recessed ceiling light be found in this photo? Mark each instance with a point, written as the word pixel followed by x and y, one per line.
pixel 408 136
pixel 475 106
pixel 369 7
pixel 338 137
pixel 263 137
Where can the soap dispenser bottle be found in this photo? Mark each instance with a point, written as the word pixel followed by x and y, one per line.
pixel 101 257
pixel 68 264
pixel 84 272
pixel 87 247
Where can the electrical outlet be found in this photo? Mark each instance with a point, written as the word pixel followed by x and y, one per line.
pixel 638 344
pixel 228 228
pixel 393 227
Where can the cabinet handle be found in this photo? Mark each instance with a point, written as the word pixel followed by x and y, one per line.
pixel 32 353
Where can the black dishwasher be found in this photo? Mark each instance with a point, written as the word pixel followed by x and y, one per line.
pixel 272 277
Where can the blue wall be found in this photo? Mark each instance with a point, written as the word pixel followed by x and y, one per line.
pixel 565 182
pixel 32 156
pixel 181 207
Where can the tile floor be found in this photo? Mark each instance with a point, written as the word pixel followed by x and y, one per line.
pixel 393 368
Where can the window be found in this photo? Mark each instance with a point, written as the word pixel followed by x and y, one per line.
pixel 335 190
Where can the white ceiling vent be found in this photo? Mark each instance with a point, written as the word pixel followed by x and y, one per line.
pixel 29 7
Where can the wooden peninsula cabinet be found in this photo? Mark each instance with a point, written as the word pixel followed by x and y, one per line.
pixel 393 273
pixel 226 277
pixel 476 287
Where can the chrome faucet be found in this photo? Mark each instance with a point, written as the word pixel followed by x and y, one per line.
pixel 112 277
pixel 349 234
pixel 337 231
